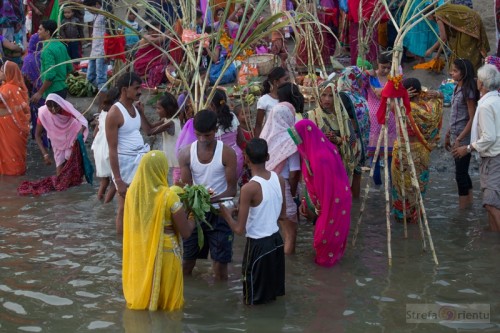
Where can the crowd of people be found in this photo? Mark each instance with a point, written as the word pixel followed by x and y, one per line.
pixel 289 164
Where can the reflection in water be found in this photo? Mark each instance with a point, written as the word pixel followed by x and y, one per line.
pixel 60 271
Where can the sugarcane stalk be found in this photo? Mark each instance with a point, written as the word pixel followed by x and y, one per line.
pixel 386 175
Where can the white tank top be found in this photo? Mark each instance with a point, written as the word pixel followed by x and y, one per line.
pixel 129 138
pixel 211 175
pixel 263 220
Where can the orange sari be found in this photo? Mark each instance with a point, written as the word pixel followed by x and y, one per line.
pixel 14 121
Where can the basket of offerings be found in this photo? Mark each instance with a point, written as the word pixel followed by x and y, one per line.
pixel 171 77
pixel 263 62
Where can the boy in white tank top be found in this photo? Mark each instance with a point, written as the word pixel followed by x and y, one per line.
pixel 261 205
pixel 211 163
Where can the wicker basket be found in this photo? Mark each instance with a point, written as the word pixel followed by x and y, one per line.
pixel 174 81
pixel 263 62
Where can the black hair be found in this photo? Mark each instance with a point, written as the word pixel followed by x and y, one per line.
pixel 412 82
pixel 469 85
pixel 50 26
pixel 205 121
pixel 135 11
pixel 384 58
pixel 199 14
pixel 110 98
pixel 169 103
pixel 224 115
pixel 275 74
pixel 290 92
pixel 256 151
pixel 127 80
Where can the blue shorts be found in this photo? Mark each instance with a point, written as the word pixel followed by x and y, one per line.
pixel 219 241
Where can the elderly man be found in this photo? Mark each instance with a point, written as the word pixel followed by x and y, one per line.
pixel 485 139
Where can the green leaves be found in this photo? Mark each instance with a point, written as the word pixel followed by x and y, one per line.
pixel 196 199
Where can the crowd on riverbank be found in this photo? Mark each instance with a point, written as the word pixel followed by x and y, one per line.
pixel 288 163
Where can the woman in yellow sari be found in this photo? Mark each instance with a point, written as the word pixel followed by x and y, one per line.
pixel 423 126
pixel 14 120
pixel 333 120
pixel 462 29
pixel 153 224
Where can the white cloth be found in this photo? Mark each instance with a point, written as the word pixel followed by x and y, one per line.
pixel 131 145
pixel 211 175
pixel 101 149
pixel 169 142
pixel 275 132
pixel 266 102
pixel 485 132
pixel 262 220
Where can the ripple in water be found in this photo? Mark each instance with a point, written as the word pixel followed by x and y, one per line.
pixel 80 283
pixel 99 324
pixel 17 308
pixel 30 328
pixel 92 269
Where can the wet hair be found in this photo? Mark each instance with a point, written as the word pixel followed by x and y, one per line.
pixel 50 26
pixel 169 103
pixel 205 121
pixel 384 58
pixel 127 80
pixel 290 92
pixel 256 151
pixel 412 82
pixel 469 85
pixel 489 76
pixel 110 98
pixel 224 115
pixel 275 74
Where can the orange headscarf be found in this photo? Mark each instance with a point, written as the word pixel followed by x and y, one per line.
pixel 14 92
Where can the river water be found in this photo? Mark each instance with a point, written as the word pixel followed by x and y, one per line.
pixel 60 270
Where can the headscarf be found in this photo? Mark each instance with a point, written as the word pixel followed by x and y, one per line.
pixel 61 129
pixel 14 93
pixel 147 210
pixel 338 120
pixel 280 145
pixel 328 188
pixel 186 136
pixel 32 62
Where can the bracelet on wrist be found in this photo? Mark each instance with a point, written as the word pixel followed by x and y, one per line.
pixel 45 155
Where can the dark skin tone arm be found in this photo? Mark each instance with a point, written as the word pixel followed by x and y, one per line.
pixel 38 138
pixel 114 121
pixel 240 138
pixel 182 224
pixel 259 120
pixel 251 196
pixel 185 165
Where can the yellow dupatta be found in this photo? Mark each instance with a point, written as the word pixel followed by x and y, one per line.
pixel 147 211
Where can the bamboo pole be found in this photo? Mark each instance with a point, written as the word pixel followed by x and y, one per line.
pixel 386 186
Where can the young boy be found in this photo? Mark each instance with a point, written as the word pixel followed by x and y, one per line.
pixel 261 205
pixel 131 29
pixel 71 30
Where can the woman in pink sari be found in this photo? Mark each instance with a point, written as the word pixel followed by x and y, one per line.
pixel 67 129
pixel 328 191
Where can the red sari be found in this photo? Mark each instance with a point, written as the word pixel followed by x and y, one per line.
pixel 14 121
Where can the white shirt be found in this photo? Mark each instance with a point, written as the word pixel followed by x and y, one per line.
pixel 266 103
pixel 234 127
pixel 169 142
pixel 488 125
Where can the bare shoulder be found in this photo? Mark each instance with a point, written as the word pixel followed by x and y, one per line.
pixel 185 154
pixel 228 151
pixel 250 188
pixel 114 116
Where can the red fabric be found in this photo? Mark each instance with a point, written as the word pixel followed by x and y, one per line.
pixel 367 11
pixel 71 175
pixel 331 16
pixel 114 47
pixel 390 91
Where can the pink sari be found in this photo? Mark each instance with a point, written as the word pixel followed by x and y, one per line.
pixel 328 189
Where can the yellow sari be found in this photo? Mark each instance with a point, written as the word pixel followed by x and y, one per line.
pixel 152 259
pixel 423 125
